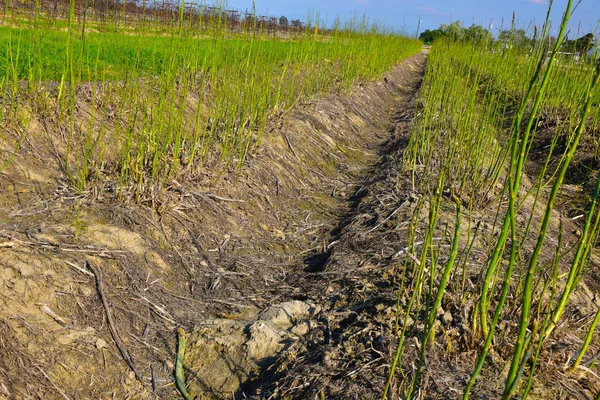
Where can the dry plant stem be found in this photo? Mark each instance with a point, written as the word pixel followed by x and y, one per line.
pixel 53 384
pixel 111 324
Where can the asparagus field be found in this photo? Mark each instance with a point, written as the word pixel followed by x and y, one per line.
pixel 159 96
pixel 201 203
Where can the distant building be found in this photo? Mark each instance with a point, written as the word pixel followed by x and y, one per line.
pixel 564 56
pixel 567 55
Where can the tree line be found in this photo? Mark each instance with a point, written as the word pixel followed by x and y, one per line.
pixel 517 38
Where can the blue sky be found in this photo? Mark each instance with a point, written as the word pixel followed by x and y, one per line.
pixel 405 13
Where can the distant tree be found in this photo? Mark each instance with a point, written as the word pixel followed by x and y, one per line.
pixel 477 33
pixel 581 46
pixel 453 31
pixel 283 21
pixel 515 38
pixel 585 43
pixel 429 37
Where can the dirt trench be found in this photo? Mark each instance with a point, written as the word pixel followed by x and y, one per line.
pixel 241 259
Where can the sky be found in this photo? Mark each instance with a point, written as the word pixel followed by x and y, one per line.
pixel 404 14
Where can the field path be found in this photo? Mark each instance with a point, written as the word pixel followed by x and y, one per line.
pixel 352 280
pixel 295 335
